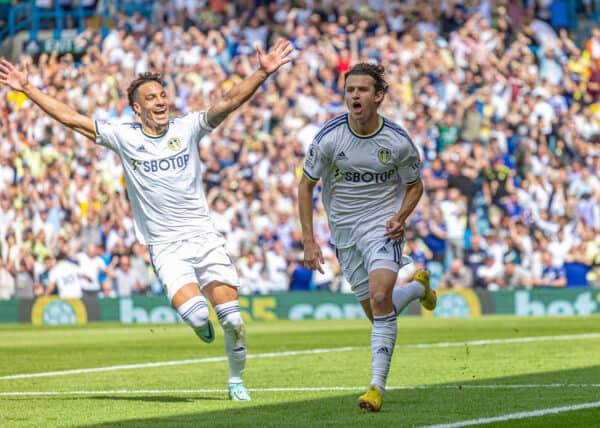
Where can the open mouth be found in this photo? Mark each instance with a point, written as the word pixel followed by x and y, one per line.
pixel 356 107
pixel 160 113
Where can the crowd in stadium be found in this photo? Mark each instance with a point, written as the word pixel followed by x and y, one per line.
pixel 503 104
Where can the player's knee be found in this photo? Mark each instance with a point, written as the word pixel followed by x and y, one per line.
pixel 194 312
pixel 380 299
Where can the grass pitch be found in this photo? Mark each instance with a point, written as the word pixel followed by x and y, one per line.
pixel 445 372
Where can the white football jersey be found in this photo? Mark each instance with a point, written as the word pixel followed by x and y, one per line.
pixel 163 177
pixel 364 177
pixel 67 277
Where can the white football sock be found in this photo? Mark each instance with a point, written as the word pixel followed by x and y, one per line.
pixel 235 338
pixel 402 296
pixel 383 340
pixel 194 312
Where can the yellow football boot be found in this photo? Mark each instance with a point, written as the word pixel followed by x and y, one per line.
pixel 430 299
pixel 371 400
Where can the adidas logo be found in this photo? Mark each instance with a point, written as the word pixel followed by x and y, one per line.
pixel 382 250
pixel 383 350
pixel 341 156
pixel 140 149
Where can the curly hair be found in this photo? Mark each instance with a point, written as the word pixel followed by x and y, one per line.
pixel 139 81
pixel 375 71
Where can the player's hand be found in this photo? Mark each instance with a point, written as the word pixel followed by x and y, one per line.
pixel 276 57
pixel 313 257
pixel 12 76
pixel 394 229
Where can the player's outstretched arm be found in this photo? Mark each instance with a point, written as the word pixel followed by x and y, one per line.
pixel 239 94
pixel 313 258
pixel 18 80
pixel 395 226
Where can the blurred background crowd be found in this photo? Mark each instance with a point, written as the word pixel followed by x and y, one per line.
pixel 502 101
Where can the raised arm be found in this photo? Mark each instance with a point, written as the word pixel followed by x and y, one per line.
pixel 18 80
pixel 239 94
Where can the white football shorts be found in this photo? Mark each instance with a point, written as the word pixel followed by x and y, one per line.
pixel 201 260
pixel 373 251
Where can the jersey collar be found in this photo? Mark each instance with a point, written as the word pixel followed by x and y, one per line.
pixel 155 136
pixel 372 134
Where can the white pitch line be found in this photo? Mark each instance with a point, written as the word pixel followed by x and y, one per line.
pixel 585 336
pixel 519 415
pixel 177 363
pixel 288 389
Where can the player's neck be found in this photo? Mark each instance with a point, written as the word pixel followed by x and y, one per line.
pixel 367 127
pixel 154 130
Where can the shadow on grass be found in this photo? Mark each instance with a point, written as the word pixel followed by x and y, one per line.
pixel 436 404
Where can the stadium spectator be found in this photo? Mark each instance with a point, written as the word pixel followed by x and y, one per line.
pixel 141 266
pixel 67 277
pixel 577 265
pixel 125 281
pixel 454 209
pixel 251 271
pixel 475 257
pixel 91 266
pixel 552 276
pixel 489 273
pixel 514 275
pixel 7 282
pixel 43 276
pixel 457 277
pixel 276 265
pixel 433 233
pixel 300 277
pixel 24 282
pixel 417 251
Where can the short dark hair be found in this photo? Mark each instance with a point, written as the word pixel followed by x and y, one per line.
pixel 139 81
pixel 374 70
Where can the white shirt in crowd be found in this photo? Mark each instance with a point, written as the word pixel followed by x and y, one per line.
pixel 277 266
pixel 68 279
pixel 90 268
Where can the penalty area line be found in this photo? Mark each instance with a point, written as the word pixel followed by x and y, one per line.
pixel 518 415
pixel 288 389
